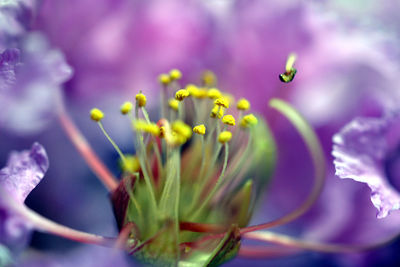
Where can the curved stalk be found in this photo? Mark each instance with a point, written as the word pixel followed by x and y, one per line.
pixel 259 252
pixel 318 159
pixel 45 225
pixel 288 241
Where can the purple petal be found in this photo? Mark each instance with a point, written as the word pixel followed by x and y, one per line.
pixel 24 171
pixel 360 150
pixel 29 87
pixel 8 62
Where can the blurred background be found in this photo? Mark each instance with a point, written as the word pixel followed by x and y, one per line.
pixel 101 53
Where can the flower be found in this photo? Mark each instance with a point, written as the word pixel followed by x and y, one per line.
pixel 186 202
pixel 255 65
pixel 367 150
pixel 186 184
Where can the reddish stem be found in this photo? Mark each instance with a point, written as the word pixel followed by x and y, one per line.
pixel 83 147
pixel 202 227
pixel 259 252
pixel 318 158
pixel 288 241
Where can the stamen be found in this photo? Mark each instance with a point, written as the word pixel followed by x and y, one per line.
pixel 144 126
pixel 288 241
pixel 126 108
pixel 45 225
pixel 224 137
pixel 85 150
pixel 129 190
pixel 200 129
pixel 214 93
pixel 131 164
pixel 209 78
pixel 173 104
pixel 169 202
pixel 257 252
pixel 243 104
pixel 141 100
pixel 217 112
pixel 175 74
pixel 181 132
pixel 222 102
pixel 181 94
pixel 318 158
pixel 149 184
pixel 219 180
pixel 164 79
pixel 248 121
pixel 96 116
pixel 229 120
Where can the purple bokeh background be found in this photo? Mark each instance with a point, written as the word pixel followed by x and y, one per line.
pixel 102 53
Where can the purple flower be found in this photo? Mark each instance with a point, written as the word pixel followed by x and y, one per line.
pixel 22 173
pixel 367 150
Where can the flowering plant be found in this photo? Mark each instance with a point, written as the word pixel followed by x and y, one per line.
pixel 180 201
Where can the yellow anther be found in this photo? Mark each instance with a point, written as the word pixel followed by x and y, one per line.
pixel 243 104
pixel 164 79
pixel 181 94
pixel 131 164
pixel 126 107
pixel 96 114
pixel 209 78
pixel 217 112
pixel 224 137
pixel 229 120
pixel 162 131
pixel 248 120
pixel 214 93
pixel 182 129
pixel 202 93
pixel 178 134
pixel 175 74
pixel 200 129
pixel 150 128
pixel 222 102
pixel 141 100
pixel 192 89
pixel 173 103
pixel 196 91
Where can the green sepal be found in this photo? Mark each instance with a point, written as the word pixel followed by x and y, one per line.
pixel 160 250
pixel 227 249
pixel 240 204
pixel 264 153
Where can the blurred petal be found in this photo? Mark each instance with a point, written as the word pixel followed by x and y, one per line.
pixel 30 83
pixel 23 172
pixel 361 150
